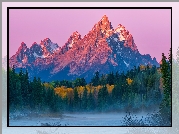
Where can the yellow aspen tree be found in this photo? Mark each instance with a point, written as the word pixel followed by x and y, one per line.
pixel 129 81
pixel 110 88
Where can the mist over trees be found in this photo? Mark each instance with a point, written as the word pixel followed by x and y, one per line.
pixel 138 88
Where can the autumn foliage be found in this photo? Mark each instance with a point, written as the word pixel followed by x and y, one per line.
pixel 137 88
pixel 68 92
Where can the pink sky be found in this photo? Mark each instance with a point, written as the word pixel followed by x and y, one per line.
pixel 151 28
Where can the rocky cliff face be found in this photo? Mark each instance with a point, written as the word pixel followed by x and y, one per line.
pixel 103 49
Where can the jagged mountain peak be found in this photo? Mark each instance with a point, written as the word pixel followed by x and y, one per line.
pixel 104 20
pixel 102 49
pixel 35 43
pixel 102 29
pixel 75 36
pixel 46 40
pixel 104 17
pixel 23 46
pixel 124 35
pixel 104 24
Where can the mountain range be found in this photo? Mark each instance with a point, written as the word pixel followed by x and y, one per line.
pixel 102 49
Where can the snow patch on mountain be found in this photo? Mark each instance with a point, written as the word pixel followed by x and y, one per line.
pixel 53 46
pixel 37 56
pixel 71 44
pixel 126 63
pixel 116 39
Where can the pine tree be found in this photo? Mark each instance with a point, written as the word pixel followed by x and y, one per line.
pixel 117 94
pixel 15 95
pixel 37 91
pixel 75 99
pixel 96 79
pixel 84 99
pixel 21 79
pixel 31 95
pixel 54 102
pixel 18 94
pixel 165 108
pixel 43 101
pixel 110 79
pixel 102 80
pixel 83 82
pixel 117 77
pixel 11 87
pixel 79 82
pixel 102 98
pixel 25 89
pixel 91 102
pixel 166 75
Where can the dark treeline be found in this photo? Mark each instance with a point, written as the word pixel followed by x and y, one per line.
pixel 25 94
pixel 138 88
